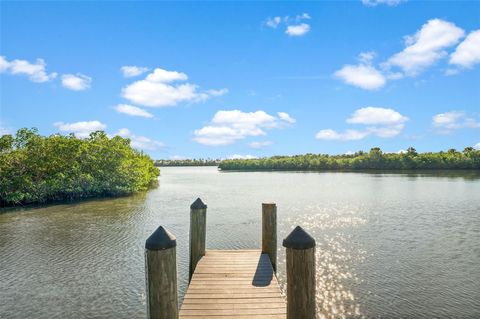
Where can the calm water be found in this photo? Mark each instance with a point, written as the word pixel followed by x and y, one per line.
pixel 388 245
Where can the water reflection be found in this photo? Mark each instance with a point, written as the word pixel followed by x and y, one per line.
pixel 335 260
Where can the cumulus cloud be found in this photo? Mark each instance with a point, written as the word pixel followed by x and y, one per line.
pixel 376 115
pixel 76 82
pixel 363 76
pixel 294 26
pixel 129 71
pixel 132 110
pixel 449 121
pixel 348 135
pixel 227 127
pixel 422 49
pixel 381 122
pixel 426 46
pixel 477 146
pixel 140 142
pixel 273 22
pixel 4 64
pixel 80 129
pixel 259 144
pixel 373 3
pixel 159 89
pixel 286 117
pixel 36 71
pixel 239 156
pixel 467 53
pixel 297 30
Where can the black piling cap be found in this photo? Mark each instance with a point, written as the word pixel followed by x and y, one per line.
pixel 198 204
pixel 161 239
pixel 299 239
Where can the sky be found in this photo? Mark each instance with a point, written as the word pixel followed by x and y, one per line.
pixel 245 79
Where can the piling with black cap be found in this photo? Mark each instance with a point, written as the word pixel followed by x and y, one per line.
pixel 198 233
pixel 161 275
pixel 300 255
pixel 269 232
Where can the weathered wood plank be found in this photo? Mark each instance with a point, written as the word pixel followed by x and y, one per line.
pixel 233 284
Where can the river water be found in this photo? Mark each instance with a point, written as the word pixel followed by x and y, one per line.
pixel 388 245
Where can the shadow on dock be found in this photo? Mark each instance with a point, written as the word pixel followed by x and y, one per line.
pixel 263 275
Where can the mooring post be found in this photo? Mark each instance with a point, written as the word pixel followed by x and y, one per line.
pixel 198 233
pixel 161 275
pixel 269 232
pixel 300 274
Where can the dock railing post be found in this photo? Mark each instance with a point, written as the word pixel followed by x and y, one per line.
pixel 269 232
pixel 198 233
pixel 300 255
pixel 161 275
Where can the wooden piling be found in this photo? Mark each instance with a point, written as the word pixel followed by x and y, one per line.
pixel 300 255
pixel 161 275
pixel 198 232
pixel 269 232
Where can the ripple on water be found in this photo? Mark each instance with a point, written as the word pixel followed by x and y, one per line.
pixel 335 258
pixel 388 245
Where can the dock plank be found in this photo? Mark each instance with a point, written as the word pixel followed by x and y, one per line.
pixel 233 284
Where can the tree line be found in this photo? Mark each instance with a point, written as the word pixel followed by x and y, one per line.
pixel 188 162
pixel 469 158
pixel 38 169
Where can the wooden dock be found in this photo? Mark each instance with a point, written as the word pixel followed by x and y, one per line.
pixel 234 284
pixel 227 284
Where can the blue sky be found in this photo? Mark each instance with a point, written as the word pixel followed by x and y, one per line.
pixel 223 79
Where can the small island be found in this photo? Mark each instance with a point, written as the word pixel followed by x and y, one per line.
pixel 40 169
pixel 373 160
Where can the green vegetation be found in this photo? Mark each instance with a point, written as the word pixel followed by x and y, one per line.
pixel 188 162
pixel 37 169
pixel 375 159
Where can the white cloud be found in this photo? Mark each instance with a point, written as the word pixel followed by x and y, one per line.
pixel 156 90
pixel 303 16
pixel 373 3
pixel 447 122
pixel 132 110
pixel 286 117
pixel 367 57
pixel 477 146
pixel 80 129
pixel 4 64
pixel 140 142
pixel 239 156
pixel 273 22
pixel 297 30
pixel 76 82
pixel 348 135
pixel 381 122
pixel 376 115
pixel 467 53
pixel 227 127
pixel 363 76
pixel 36 72
pixel 217 135
pixel 426 46
pixel 217 92
pixel 164 76
pixel 294 25
pixel 258 144
pixel 131 70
